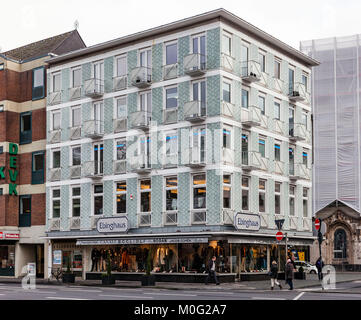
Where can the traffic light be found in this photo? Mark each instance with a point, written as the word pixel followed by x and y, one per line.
pixel 320 236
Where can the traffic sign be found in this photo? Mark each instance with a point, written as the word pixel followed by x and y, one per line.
pixel 317 224
pixel 279 235
pixel 279 223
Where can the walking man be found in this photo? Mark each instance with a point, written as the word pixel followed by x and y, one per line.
pixel 274 274
pixel 289 274
pixel 212 270
pixel 319 266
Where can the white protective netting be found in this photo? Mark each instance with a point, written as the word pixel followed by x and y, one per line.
pixel 336 120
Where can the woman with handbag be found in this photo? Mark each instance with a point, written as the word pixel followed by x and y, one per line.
pixel 273 274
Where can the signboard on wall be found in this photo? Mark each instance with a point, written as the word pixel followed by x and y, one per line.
pixel 9 235
pixel 57 257
pixel 244 221
pixel 158 240
pixel 119 225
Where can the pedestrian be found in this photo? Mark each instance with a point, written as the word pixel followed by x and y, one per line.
pixel 289 274
pixel 274 273
pixel 212 270
pixel 319 266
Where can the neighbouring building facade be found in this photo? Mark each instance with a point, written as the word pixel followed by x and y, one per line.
pixel 337 175
pixel 182 142
pixel 22 152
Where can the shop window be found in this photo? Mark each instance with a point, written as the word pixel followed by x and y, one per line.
pixel 121 197
pixel 277 198
pixel 7 256
pixel 292 200
pixel 98 199
pixel 76 201
pixel 145 195
pixel 253 258
pixel 25 211
pixel 38 161
pixel 56 203
pixel 227 191
pixel 25 128
pixel 38 83
pixel 262 195
pixel 245 193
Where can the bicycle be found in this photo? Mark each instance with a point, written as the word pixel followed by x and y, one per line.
pixel 57 273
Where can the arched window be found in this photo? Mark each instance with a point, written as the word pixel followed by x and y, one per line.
pixel 340 244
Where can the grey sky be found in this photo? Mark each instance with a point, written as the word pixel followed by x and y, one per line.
pixel 291 21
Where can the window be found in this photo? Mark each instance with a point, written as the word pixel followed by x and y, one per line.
pixel 278 151
pixel 25 211
pixel 37 175
pixel 98 199
pixel 121 108
pixel 1 66
pixel 145 196
pixel 340 244
pixel 291 160
pixel 121 197
pixel 291 118
pixel 121 64
pixel 305 202
pixel 305 158
pixel 1 191
pixel 171 54
pixel 304 117
pixel 199 191
pixel 38 91
pixel 277 69
pixel 25 128
pixel 244 148
pixel 262 195
pixel 227 143
pixel 245 98
pixel 292 200
pixel 56 120
pixel 305 82
pixel 262 61
pixel 2 108
pixel 262 104
pixel 56 82
pixel 121 149
pixel 262 147
pixel 227 191
pixel 245 193
pixel 1 150
pixel 227 44
pixel 76 77
pixel 171 193
pixel 199 46
pixel 171 144
pixel 76 156
pixel 291 80
pixel 56 159
pixel 75 198
pixel 76 116
pixel 227 92
pixel 56 203
pixel 145 58
pixel 277 198
pixel 277 110
pixel 145 101
pixel 171 97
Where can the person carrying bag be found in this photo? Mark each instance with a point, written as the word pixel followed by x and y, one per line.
pixel 273 274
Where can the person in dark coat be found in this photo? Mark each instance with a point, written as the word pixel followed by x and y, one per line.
pixel 212 270
pixel 289 274
pixel 274 274
pixel 319 266
pixel 94 259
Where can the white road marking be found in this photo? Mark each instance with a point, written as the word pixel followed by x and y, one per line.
pixel 64 298
pixel 214 292
pixel 171 294
pixel 299 296
pixel 267 298
pixel 122 296
pixel 74 290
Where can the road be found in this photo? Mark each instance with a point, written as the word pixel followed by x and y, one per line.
pixel 344 291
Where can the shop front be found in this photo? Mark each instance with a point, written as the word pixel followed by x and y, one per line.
pixel 8 241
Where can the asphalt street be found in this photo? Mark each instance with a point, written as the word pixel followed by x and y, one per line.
pixel 344 291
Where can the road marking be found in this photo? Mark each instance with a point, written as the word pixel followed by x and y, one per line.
pixel 267 298
pixel 118 296
pixel 299 296
pixel 216 292
pixel 171 294
pixel 73 290
pixel 64 298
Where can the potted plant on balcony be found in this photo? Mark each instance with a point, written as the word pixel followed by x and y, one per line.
pixel 148 279
pixel 108 278
pixel 68 276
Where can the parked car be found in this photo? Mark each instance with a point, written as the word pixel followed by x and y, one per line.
pixel 307 267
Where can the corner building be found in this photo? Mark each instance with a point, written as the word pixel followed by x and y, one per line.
pixel 187 140
pixel 22 152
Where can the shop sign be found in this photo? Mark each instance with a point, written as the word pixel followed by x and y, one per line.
pixel 32 269
pixel 9 235
pixel 57 257
pixel 119 224
pixel 247 222
pixel 13 172
pixel 141 241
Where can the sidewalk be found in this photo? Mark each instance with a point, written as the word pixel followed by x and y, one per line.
pixel 311 281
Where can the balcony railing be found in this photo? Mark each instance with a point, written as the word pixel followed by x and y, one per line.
pixel 54 224
pixel 141 163
pixel 140 120
pixel 93 169
pixel 279 126
pixel 75 93
pixel 293 223
pixel 279 167
pixel 75 172
pixel 251 116
pixel 170 71
pixel 55 136
pixel 252 160
pixel 170 115
pixel 120 166
pixel 251 71
pixel 170 160
pixel 195 64
pixel 94 88
pixel 196 157
pixel 120 125
pixel 199 217
pixel 297 131
pixel 54 98
pixel 141 77
pixel 74 223
pixel 297 92
pixel 227 62
pixel 170 217
pixel 120 83
pixel 93 129
pixel 145 219
pixel 55 174
pixel 228 216
pixel 75 133
pixel 227 109
pixel 195 111
pixel 228 155
pixel 278 84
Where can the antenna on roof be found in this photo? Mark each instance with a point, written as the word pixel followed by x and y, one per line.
pixel 76 24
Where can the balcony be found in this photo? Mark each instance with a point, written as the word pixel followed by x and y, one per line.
pixel 120 166
pixel 55 174
pixel 251 71
pixel 252 160
pixel 297 92
pixel 195 111
pixel 228 155
pixel 170 160
pixel 251 116
pixel 140 120
pixel 120 125
pixel 54 224
pixel 141 77
pixel 228 216
pixel 195 64
pixel 94 88
pixel 199 216
pixel 74 93
pixel 227 62
pixel 93 129
pixel 293 223
pixel 145 219
pixel 74 223
pixel 170 115
pixel 299 171
pixel 120 83
pixel 279 167
pixel 170 217
pixel 54 98
pixel 227 109
pixel 279 126
pixel 297 132
pixel 141 164
pixel 55 136
pixel 93 169
pixel 75 172
pixel 278 84
pixel 196 158
pixel 75 133
pixel 170 71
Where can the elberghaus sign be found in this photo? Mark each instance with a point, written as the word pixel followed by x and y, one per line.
pixel 12 171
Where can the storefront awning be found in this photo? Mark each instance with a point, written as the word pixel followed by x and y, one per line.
pixel 290 242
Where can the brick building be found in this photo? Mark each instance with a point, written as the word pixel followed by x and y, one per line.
pixel 22 151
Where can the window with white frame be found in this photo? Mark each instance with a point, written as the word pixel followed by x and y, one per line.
pixel 277 151
pixel 75 201
pixel 226 92
pixel 227 191
pixel 292 199
pixel 171 53
pixel 121 66
pixel 262 196
pixel 145 101
pixel 305 202
pixel 55 203
pixel 76 77
pixel 121 149
pixel 171 193
pixel 145 190
pixel 262 60
pixel 305 158
pixel 277 198
pixel 76 116
pixel 304 117
pixel 56 120
pixel 262 146
pixel 98 199
pixel 262 103
pixel 76 156
pixel 245 98
pixel 145 58
pixel 227 43
pixel 277 69
pixel 199 191
pixel 171 146
pixel 277 109
pixel 121 112
pixel 121 197
pixel 305 81
pixel 55 158
pixel 56 82
pixel 245 193
pixel 171 97
pixel 227 137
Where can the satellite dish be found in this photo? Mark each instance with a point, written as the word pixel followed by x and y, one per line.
pixel 76 24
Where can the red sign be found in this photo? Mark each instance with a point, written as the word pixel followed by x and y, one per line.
pixel 317 224
pixel 11 236
pixel 279 235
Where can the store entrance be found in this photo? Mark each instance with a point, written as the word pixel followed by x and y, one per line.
pixel 39 258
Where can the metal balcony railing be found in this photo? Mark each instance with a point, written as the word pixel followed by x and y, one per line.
pixel 93 129
pixel 120 166
pixel 279 167
pixel 170 217
pixel 120 83
pixel 120 124
pixel 94 88
pixel 195 111
pixel 54 98
pixel 55 136
pixel 55 174
pixel 278 84
pixel 195 64
pixel 251 117
pixel 228 216
pixel 251 71
pixel 140 120
pixel 170 71
pixel 297 92
pixel 297 131
pixel 140 163
pixel 145 219
pixel 141 77
pixel 279 126
pixel 75 172
pixel 227 109
pixel 196 157
pixel 75 93
pixel 170 115
pixel 227 62
pixel 75 133
pixel 93 169
pixel 199 217
pixel 251 160
pixel 228 155
pixel 170 160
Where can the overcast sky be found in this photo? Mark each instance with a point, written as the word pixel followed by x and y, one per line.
pixel 291 21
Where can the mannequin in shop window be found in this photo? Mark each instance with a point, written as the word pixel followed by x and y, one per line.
pixel 94 258
pixel 243 259
pixel 251 263
pixel 125 259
